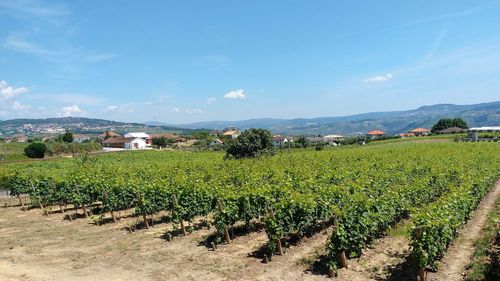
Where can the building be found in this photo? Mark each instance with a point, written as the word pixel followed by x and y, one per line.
pixel 315 140
pixel 141 135
pixel 419 132
pixel 124 143
pixel 375 134
pixel 232 134
pixel 333 139
pixel 20 138
pixel 279 141
pixel 216 142
pixel 78 138
pixel 474 133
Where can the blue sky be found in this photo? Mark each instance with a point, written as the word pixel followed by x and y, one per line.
pixel 187 61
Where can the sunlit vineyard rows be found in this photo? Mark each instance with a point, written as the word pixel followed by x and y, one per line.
pixel 360 192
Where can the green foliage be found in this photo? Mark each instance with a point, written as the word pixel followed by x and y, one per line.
pixel 368 189
pixel 319 145
pixel 67 137
pixel 251 143
pixel 446 123
pixel 36 150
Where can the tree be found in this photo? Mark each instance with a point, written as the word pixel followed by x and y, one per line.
pixel 446 123
pixel 67 137
pixel 251 143
pixel 303 142
pixel 160 141
pixel 36 150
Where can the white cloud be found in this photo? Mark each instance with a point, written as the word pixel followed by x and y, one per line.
pixel 378 78
pixel 128 107
pixel 211 100
pixel 7 91
pixel 237 94
pixel 19 106
pixel 72 110
pixel 187 111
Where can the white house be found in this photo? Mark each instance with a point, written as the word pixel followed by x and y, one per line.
pixel 333 139
pixel 140 135
pixel 279 141
pixel 124 143
pixel 80 138
pixel 135 143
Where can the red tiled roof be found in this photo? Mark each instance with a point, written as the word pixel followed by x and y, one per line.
pixel 376 132
pixel 419 130
pixel 110 134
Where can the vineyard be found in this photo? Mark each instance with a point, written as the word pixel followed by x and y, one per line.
pixel 360 193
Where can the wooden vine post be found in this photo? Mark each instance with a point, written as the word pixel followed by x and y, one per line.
pixel 342 255
pixel 226 231
pixel 111 211
pixel 39 199
pixel 144 217
pixel 421 271
pixel 183 227
pixel 21 202
pixel 279 247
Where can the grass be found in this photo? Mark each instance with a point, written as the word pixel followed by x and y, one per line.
pixel 484 264
pixel 12 151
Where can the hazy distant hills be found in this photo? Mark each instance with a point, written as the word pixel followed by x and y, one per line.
pixel 392 122
pixel 63 121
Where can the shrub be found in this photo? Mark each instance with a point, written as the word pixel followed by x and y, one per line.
pixel 36 150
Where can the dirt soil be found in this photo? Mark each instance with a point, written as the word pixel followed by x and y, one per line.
pixel 36 247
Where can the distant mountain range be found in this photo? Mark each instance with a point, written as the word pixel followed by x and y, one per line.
pixel 392 122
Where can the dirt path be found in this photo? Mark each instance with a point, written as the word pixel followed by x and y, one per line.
pixel 452 266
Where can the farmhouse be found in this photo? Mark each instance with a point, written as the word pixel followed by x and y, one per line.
pixel 333 139
pixel 279 141
pixel 78 138
pixel 124 143
pixel 419 131
pixel 374 134
pixel 141 135
pixel 232 134
pixel 20 138
pixel 474 133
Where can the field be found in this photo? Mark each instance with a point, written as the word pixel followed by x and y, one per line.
pixel 13 151
pixel 387 212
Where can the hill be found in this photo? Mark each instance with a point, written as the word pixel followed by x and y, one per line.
pixel 77 125
pixel 392 122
